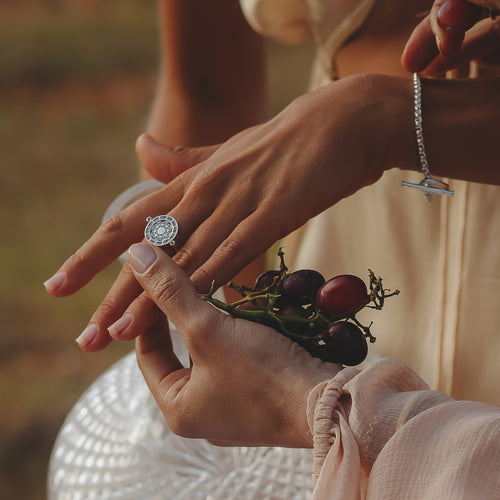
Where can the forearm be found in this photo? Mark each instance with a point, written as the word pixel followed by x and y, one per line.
pixel 461 127
pixel 212 80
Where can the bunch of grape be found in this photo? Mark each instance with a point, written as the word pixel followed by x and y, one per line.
pixel 319 315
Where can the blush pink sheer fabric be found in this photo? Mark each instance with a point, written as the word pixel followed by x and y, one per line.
pixel 381 433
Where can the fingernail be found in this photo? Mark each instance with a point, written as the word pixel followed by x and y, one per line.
pixel 55 281
pixel 88 335
pixel 141 256
pixel 118 327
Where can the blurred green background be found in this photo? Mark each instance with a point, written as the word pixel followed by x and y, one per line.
pixel 76 83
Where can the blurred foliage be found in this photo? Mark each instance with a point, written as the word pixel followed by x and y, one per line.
pixel 53 45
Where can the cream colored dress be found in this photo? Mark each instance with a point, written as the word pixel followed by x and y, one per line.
pixel 443 256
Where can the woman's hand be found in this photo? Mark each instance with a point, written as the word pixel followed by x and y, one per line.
pixel 454 31
pixel 247 384
pixel 257 187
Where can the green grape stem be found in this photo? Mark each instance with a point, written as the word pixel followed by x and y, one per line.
pixel 311 324
pixel 378 293
pixel 266 315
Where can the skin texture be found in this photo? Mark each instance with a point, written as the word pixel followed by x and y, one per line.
pixel 212 64
pixel 232 206
pixel 203 401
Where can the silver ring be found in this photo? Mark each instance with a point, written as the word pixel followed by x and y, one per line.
pixel 161 230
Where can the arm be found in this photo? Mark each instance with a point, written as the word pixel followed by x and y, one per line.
pixel 212 83
pixel 461 123
pixel 212 80
pixel 270 179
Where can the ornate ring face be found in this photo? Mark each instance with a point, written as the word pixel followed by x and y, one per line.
pixel 161 230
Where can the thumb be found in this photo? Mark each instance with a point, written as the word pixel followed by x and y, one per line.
pixel 166 284
pixel 165 163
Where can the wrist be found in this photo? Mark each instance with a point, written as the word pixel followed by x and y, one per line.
pixel 298 431
pixel 397 138
pixel 460 117
pixel 383 117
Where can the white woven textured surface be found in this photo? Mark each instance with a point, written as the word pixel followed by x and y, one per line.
pixel 115 444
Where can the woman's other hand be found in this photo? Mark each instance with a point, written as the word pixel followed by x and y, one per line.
pixel 255 188
pixel 247 384
pixel 454 32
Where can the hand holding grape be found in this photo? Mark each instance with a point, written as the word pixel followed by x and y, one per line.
pixel 247 384
pixel 320 316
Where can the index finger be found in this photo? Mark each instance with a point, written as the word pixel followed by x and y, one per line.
pixel 450 19
pixel 112 238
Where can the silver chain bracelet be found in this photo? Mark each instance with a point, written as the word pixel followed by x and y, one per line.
pixel 428 185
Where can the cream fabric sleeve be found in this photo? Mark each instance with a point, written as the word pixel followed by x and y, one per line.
pixel 329 23
pixel 286 21
pixel 381 433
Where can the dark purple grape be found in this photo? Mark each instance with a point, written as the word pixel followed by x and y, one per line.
pixel 286 308
pixel 283 305
pixel 266 279
pixel 346 343
pixel 302 284
pixel 342 295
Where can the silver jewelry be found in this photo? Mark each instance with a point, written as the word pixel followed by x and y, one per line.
pixel 161 230
pixel 428 185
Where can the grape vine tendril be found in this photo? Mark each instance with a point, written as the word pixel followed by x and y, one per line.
pixel 306 323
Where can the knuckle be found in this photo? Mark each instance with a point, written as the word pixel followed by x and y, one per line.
pixel 107 309
pixel 111 226
pixel 180 424
pixel 203 280
pixel 230 249
pixel 166 289
pixel 75 261
pixel 181 419
pixel 143 302
pixel 211 178
pixel 185 258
